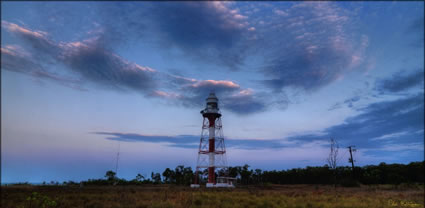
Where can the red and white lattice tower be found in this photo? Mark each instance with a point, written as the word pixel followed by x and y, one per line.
pixel 212 151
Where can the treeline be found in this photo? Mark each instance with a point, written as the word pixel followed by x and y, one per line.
pixel 371 174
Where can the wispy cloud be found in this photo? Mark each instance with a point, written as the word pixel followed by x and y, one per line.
pixel 415 146
pixel 14 58
pixel 87 58
pixel 192 141
pixel 17 59
pixel 400 121
pixel 379 127
pixel 38 40
pixel 416 28
pixel 94 63
pixel 192 92
pixel 88 61
pixel 314 47
pixel 390 136
pixel 401 81
pixel 209 31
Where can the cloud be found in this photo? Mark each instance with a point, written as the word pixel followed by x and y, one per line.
pixel 122 23
pixel 38 40
pixel 240 151
pixel 416 146
pixel 280 12
pixel 210 31
pixel 64 21
pixel 195 93
pixel 207 31
pixel 380 123
pixel 232 97
pixel 17 59
pixel 311 46
pixel 386 126
pixel 14 58
pixel 214 31
pixel 244 102
pixel 352 100
pixel 105 68
pixel 416 28
pixel 413 146
pixel 390 136
pixel 87 58
pixel 383 118
pixel 401 81
pixel 88 61
pixel 192 141
pixel 349 102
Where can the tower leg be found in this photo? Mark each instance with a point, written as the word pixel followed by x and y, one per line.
pixel 195 180
pixel 211 149
pixel 211 175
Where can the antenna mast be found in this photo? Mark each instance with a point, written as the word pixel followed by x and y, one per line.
pixel 118 155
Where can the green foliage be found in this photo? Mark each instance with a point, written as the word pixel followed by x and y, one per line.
pixel 180 175
pixel 110 175
pixel 139 177
pixel 38 200
pixel 156 178
pixel 372 174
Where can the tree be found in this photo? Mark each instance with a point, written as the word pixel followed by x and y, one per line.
pixel 233 172
pixel 187 175
pixel 110 175
pixel 257 176
pixel 245 174
pixel 169 175
pixel 333 154
pixel 333 158
pixel 139 177
pixel 156 177
pixel 179 174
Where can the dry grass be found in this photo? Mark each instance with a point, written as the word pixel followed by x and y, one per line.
pixel 171 196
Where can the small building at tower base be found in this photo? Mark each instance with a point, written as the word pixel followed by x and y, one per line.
pixel 222 182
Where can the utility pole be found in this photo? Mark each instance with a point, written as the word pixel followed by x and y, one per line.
pixel 351 149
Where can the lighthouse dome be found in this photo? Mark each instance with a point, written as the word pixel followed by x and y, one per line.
pixel 211 105
pixel 212 98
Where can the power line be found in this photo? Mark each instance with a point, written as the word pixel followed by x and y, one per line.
pixel 343 156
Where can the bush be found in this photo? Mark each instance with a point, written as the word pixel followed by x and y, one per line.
pixel 38 200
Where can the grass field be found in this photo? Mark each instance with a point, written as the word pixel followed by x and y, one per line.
pixel 173 196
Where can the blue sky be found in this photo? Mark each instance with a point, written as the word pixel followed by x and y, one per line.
pixel 80 79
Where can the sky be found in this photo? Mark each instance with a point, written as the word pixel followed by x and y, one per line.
pixel 83 81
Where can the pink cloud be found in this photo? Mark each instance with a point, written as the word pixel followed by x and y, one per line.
pixel 223 83
pixel 231 18
pixel 163 94
pixel 16 28
pixel 280 12
pixel 15 50
pixel 244 92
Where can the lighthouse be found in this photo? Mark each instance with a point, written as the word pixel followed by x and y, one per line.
pixel 212 151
